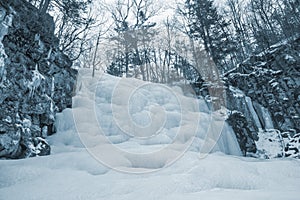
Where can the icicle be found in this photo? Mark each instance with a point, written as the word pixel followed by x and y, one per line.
pixel 253 113
pixel 52 87
pixel 37 37
pixel 4 29
pixel 52 94
pixel 49 53
pixel 36 81
pixel 2 64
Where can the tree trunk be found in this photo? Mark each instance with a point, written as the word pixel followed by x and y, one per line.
pixel 95 54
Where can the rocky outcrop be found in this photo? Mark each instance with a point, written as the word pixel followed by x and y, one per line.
pixel 292 147
pixel 245 137
pixel 266 89
pixel 36 80
pixel 271 79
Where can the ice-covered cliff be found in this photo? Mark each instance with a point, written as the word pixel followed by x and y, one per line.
pixel 266 90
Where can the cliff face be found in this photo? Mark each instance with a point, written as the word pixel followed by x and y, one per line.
pixel 36 80
pixel 266 90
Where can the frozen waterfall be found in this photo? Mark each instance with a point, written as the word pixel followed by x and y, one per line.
pixel 124 122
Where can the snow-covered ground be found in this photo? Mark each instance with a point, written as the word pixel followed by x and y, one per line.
pixel 126 139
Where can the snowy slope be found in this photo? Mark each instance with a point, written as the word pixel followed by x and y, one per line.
pixel 92 139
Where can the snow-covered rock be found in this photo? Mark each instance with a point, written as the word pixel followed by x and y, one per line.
pixel 292 147
pixel 270 144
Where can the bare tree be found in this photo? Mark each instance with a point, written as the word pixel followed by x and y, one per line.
pixel 73 21
pixel 133 31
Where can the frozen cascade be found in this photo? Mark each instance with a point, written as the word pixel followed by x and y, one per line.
pixel 128 109
pixel 253 113
pixel 267 118
pixel 227 143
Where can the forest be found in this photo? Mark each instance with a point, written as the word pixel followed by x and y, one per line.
pixel 165 42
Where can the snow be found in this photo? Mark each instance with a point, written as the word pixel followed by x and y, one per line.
pixel 289 58
pixel 95 157
pixel 237 93
pixel 274 84
pixel 270 143
pixel 76 175
pixel 37 77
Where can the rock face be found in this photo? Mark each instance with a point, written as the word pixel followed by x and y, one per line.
pixel 266 90
pixel 36 80
pixel 246 138
pixel 293 146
